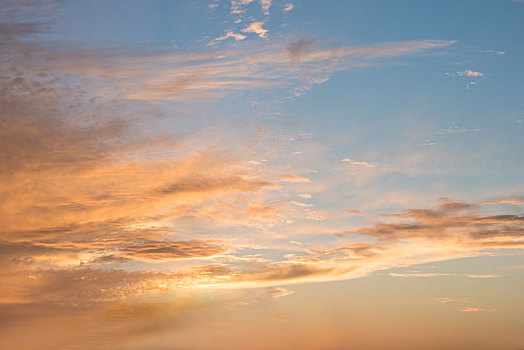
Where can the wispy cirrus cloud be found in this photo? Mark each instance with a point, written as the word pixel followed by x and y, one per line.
pixel 210 74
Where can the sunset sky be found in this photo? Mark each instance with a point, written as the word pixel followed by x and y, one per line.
pixel 261 174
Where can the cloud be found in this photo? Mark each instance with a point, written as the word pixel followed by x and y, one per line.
pixel 85 186
pixel 481 276
pixel 288 7
pixel 265 4
pixel 452 221
pixel 282 272
pixel 82 287
pixel 228 35
pixel 518 201
pixel 452 130
pixel 25 18
pixel 359 250
pixel 359 163
pixel 280 292
pixel 475 309
pixel 300 47
pixel 300 204
pixel 470 73
pixel 238 6
pixel 204 75
pixel 166 250
pixel 446 300
pixel 418 274
pixel 293 178
pixel 182 75
pixel 256 27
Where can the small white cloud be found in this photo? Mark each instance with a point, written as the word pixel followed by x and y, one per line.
pixel 359 163
pixel 288 7
pixel 226 36
pixel 295 242
pixel 470 84
pixel 501 52
pixel 304 195
pixel 470 73
pixel 237 6
pixel 256 27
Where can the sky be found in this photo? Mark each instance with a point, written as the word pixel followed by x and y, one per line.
pixel 261 174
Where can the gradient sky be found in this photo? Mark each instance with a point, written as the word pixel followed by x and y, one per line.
pixel 261 174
